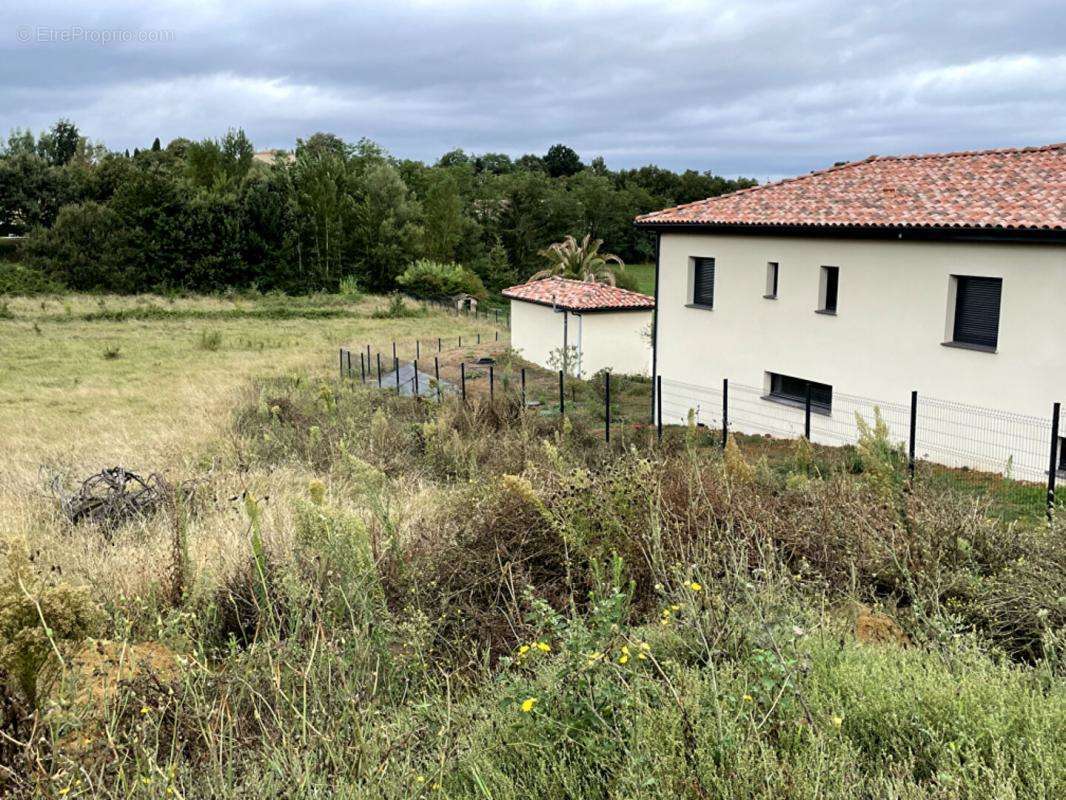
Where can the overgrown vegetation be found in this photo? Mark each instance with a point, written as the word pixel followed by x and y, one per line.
pixel 479 601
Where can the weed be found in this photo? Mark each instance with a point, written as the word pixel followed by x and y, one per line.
pixel 210 340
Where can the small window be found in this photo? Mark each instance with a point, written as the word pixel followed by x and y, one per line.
pixel 794 391
pixel 977 303
pixel 703 282
pixel 827 301
pixel 1062 455
pixel 771 280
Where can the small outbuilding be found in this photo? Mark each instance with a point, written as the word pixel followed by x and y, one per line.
pixel 592 325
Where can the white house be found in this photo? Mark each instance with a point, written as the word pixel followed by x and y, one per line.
pixel 599 326
pixel 943 274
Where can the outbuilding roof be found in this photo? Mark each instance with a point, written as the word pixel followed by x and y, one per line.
pixel 572 295
pixel 1007 189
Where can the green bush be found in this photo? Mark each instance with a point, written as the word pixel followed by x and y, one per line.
pixel 433 279
pixel 24 280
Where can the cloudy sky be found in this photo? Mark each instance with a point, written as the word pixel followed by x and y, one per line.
pixel 764 88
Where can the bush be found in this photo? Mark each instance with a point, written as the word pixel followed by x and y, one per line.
pixel 432 279
pixel 39 617
pixel 20 279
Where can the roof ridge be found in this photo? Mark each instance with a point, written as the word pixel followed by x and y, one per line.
pixel 852 164
pixel 970 153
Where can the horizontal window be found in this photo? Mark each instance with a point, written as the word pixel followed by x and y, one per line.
pixel 794 390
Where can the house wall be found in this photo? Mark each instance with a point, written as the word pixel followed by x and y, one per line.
pixel 893 314
pixel 606 339
pixel 536 331
pixel 618 341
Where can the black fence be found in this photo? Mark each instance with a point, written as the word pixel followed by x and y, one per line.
pixel 475 367
pixel 1015 459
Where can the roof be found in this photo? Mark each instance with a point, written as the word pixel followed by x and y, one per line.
pixel 273 156
pixel 572 295
pixel 1006 189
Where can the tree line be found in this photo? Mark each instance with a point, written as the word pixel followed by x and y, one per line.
pixel 208 215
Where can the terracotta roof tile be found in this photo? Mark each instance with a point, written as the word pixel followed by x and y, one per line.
pixel 578 295
pixel 1022 188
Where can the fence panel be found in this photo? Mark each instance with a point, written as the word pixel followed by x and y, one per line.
pixel 983 439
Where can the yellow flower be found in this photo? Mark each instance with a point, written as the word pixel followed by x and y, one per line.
pixel 523 649
pixel 145 710
pixel 64 790
pixel 694 586
pixel 592 658
pixel 838 721
pixel 749 699
pixel 421 779
pixel 544 647
pixel 675 607
pixel 527 704
pixel 624 658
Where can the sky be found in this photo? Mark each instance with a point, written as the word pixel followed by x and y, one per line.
pixel 761 89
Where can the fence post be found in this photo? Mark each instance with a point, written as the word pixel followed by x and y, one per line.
pixel 440 346
pixel 523 387
pixel 607 407
pixel 396 372
pixel 436 374
pixel 562 395
pixel 659 398
pixel 368 360
pixel 913 442
pixel 479 337
pixel 394 351
pixel 1053 466
pixel 418 349
pixel 340 355
pixel 362 368
pixel 807 413
pixel 497 336
pixel 460 341
pixel 725 411
pixel 415 365
pixel 492 383
pixel 379 370
pixel 462 378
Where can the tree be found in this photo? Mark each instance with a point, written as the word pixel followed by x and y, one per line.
pixel 561 161
pixel 59 145
pixel 386 234
pixel 581 261
pixel 444 217
pixel 156 145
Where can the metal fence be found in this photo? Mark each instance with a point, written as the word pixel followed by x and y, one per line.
pixel 1015 457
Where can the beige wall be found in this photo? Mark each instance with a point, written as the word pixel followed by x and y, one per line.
pixel 886 339
pixel 606 340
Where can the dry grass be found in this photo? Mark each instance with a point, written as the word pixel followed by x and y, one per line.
pixel 164 404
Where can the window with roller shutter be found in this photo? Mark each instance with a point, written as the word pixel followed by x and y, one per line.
pixel 977 302
pixel 703 282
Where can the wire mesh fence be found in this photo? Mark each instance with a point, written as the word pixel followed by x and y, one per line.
pixel 1012 458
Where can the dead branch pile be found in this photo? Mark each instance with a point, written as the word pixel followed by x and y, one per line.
pixel 112 497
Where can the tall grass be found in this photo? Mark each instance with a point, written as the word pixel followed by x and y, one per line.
pixel 476 601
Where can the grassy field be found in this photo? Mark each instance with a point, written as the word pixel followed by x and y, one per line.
pixel 645 275
pixel 358 595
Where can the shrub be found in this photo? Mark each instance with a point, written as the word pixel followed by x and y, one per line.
pixel 210 340
pixel 39 618
pixel 396 309
pixel 432 279
pixel 20 279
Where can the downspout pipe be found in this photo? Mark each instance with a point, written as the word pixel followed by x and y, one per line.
pixel 655 329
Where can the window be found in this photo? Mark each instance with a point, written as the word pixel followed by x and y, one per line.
pixel 977 303
pixel 771 280
pixel 703 282
pixel 827 298
pixel 1061 468
pixel 793 391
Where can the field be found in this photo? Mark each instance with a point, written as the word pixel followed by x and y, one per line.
pixel 357 595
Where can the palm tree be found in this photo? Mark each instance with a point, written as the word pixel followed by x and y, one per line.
pixel 583 262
